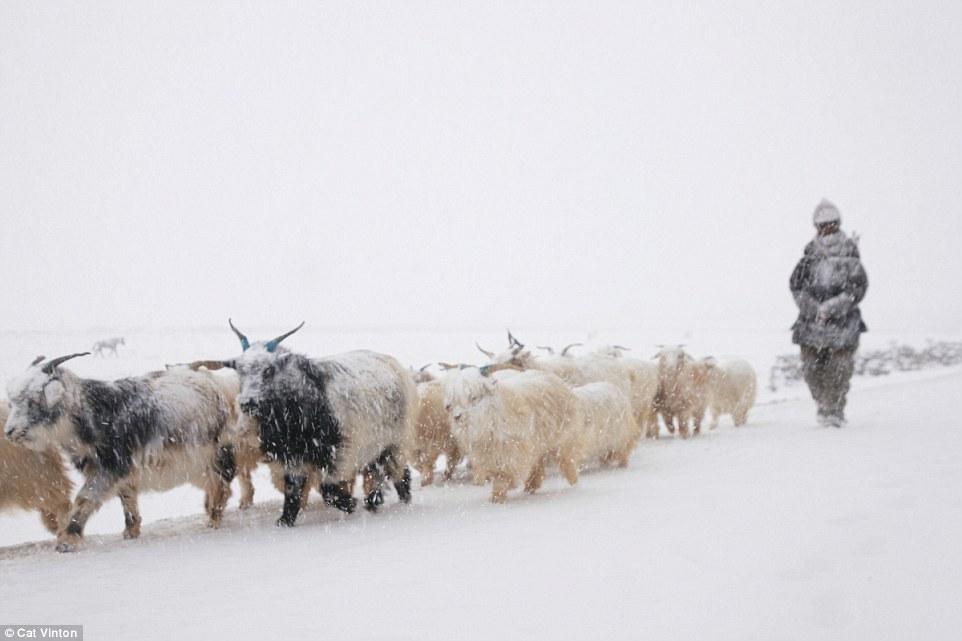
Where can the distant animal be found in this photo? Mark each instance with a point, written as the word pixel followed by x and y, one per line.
pixel 100 348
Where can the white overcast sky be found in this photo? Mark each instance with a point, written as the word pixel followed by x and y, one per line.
pixel 557 164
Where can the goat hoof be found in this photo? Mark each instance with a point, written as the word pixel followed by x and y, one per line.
pixel 284 522
pixel 373 501
pixel 343 503
pixel 131 534
pixel 66 547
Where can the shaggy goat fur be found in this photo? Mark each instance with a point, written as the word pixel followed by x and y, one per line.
pixel 609 432
pixel 676 397
pixel 637 379
pixel 339 416
pixel 32 480
pixel 153 432
pixel 432 434
pixel 513 424
pixel 732 387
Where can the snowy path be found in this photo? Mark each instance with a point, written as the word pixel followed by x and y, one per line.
pixel 779 530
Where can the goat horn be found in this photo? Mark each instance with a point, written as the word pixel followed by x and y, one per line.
pixel 39 359
pixel 484 351
pixel 514 342
pixel 447 366
pixel 622 348
pixel 487 370
pixel 564 352
pixel 424 367
pixel 245 343
pixel 49 367
pixel 272 344
pixel 550 350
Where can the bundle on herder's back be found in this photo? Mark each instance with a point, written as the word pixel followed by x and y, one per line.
pixel 336 417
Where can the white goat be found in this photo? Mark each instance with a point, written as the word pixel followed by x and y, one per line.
pixel 512 424
pixel 432 434
pixel 609 432
pixel 637 380
pixel 732 387
pixel 676 397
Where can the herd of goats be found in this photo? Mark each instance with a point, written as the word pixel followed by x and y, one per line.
pixel 323 422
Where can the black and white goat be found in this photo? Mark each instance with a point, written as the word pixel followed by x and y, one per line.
pixel 339 416
pixel 152 432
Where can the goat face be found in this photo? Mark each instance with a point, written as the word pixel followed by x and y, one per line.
pixel 672 358
pixel 264 376
pixel 37 403
pixel 465 391
pixel 265 369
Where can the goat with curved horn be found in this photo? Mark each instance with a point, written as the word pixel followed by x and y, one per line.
pixel 53 363
pixel 245 343
pixel 130 439
pixel 272 344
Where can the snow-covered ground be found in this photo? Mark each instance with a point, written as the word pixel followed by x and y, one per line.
pixel 779 530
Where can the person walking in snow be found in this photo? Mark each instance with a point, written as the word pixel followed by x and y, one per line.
pixel 828 284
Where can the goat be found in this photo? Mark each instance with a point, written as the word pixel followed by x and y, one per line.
pixel 151 432
pixel 340 416
pixel 432 434
pixel 512 425
pixel 732 388
pixel 107 345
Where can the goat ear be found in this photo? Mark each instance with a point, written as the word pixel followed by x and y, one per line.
pixel 53 392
